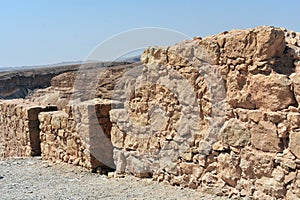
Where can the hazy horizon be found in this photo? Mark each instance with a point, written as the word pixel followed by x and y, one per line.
pixel 49 32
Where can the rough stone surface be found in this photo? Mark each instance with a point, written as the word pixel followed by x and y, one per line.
pixel 264 137
pixel 19 134
pixel 235 133
pixel 237 144
pixel 274 87
pixel 220 114
pixel 295 143
pixel 79 135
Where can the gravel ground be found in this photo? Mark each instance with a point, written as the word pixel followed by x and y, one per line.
pixel 32 178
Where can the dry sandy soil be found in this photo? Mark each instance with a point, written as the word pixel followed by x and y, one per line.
pixel 32 178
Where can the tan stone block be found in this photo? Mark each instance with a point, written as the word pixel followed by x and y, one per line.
pixel 264 137
pixel 294 145
pixel 270 42
pixel 72 147
pixel 229 172
pixel 276 117
pixel 256 164
pixel 235 133
pixel 290 177
pixel 131 142
pixel 118 115
pixel 278 174
pixel 55 121
pixel 271 91
pixel 293 120
pixel 271 187
pixel 191 169
pixel 61 133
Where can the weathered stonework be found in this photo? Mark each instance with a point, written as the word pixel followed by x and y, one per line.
pixel 220 114
pixel 80 134
pixel 255 149
pixel 19 134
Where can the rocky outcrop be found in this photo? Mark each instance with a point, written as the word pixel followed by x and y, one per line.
pixel 90 81
pixel 20 83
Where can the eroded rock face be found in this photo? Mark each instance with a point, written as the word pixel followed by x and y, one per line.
pixel 20 83
pixel 89 81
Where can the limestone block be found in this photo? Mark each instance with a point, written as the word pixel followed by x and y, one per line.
pixel 256 164
pixel 271 92
pixel 229 172
pixel 295 143
pixel 235 133
pixel 270 187
pixel 264 137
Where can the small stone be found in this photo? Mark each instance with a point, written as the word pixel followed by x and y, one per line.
pixel 61 133
pixel 219 146
pixel 295 143
pixel 282 129
pixel 255 115
pixel 291 176
pixel 110 174
pixel 197 38
pixel 278 174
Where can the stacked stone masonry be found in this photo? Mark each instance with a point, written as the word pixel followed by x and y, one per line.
pixel 19 134
pixel 220 114
pixel 80 134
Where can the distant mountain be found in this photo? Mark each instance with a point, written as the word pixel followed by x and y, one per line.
pixel 20 68
pixel 67 63
pixel 130 59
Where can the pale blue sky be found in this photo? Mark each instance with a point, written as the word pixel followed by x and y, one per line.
pixel 35 32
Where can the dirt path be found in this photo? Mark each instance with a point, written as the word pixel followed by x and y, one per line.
pixel 32 178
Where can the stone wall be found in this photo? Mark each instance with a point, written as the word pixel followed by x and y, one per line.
pixel 219 113
pixel 19 128
pixel 80 134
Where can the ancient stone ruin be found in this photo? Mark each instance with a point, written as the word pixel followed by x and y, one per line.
pixel 219 114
